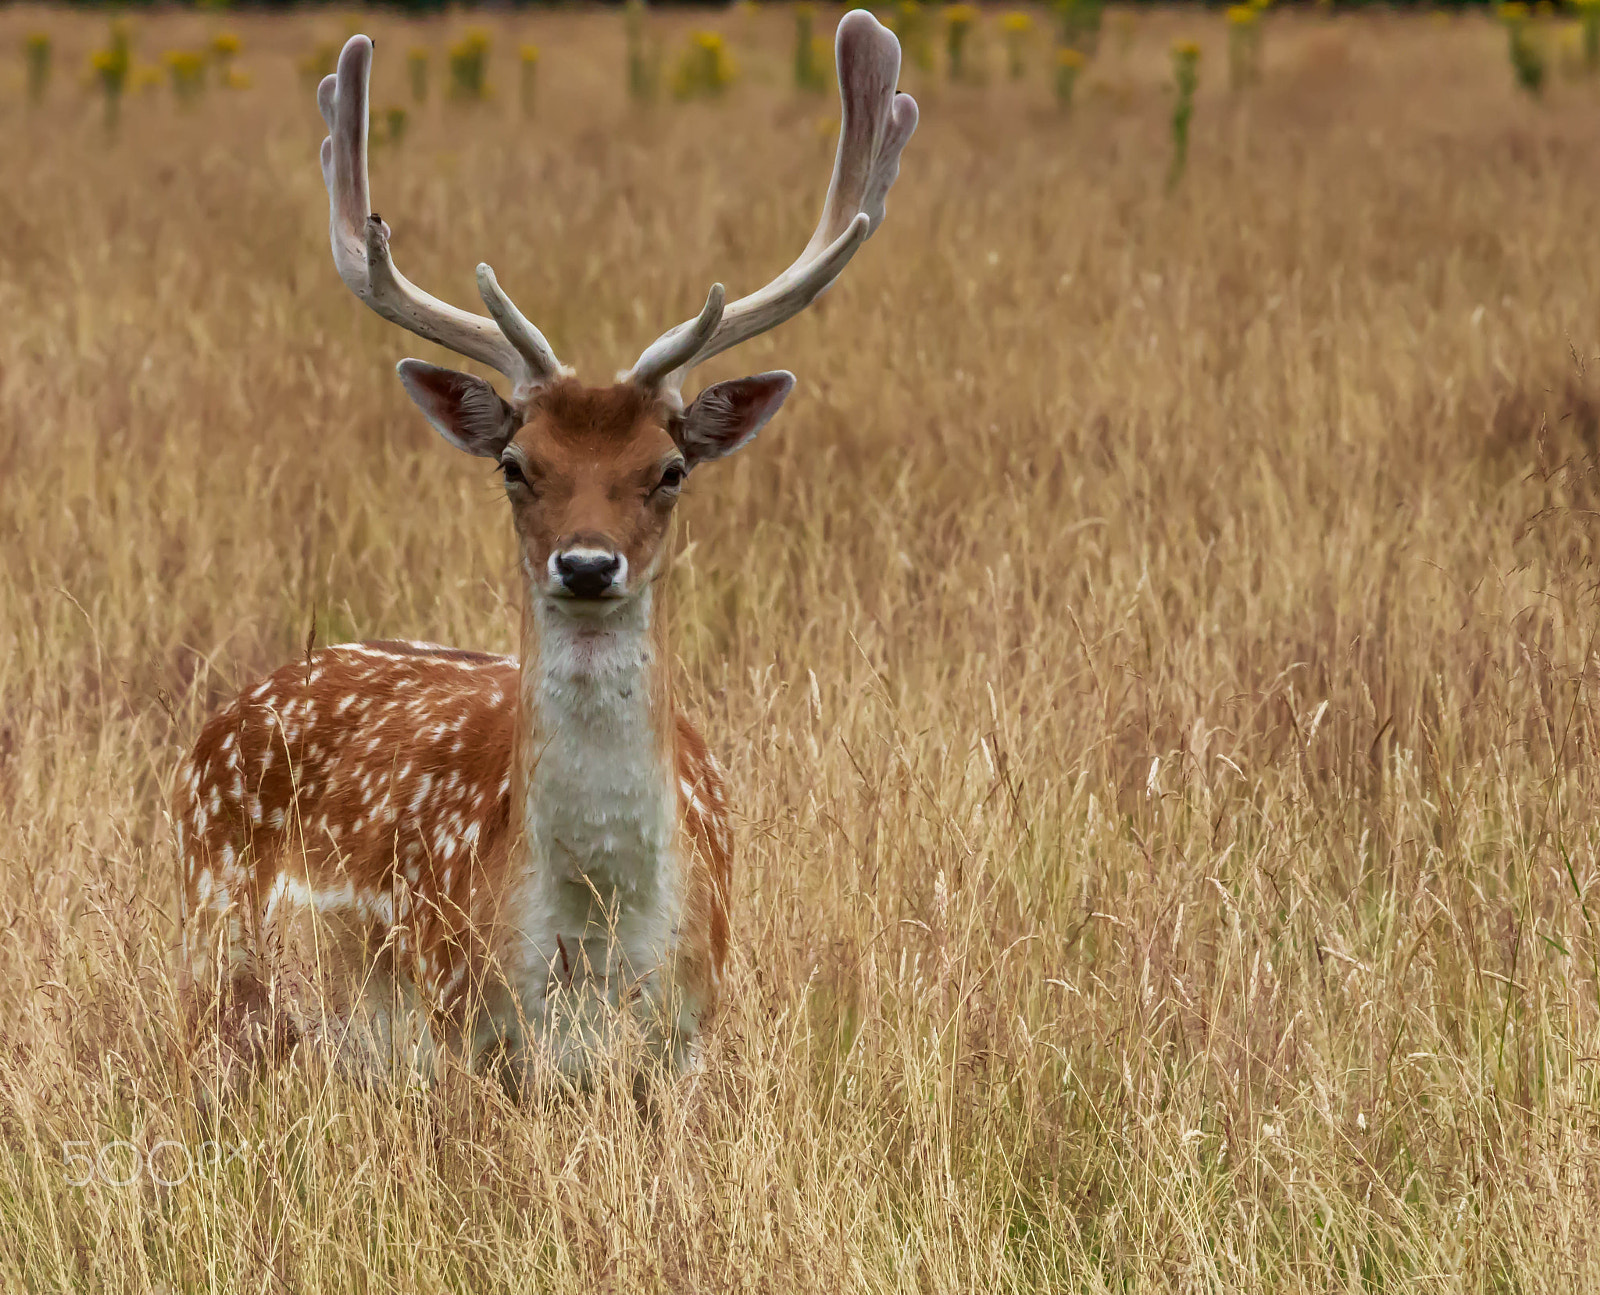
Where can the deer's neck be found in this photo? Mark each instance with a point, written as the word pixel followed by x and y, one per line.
pixel 597 792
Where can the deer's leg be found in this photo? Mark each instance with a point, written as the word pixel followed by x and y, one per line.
pixel 232 1021
pixel 335 972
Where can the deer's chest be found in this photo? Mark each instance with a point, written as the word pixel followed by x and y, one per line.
pixel 598 897
pixel 601 811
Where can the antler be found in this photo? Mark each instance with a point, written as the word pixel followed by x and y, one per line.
pixel 360 238
pixel 875 125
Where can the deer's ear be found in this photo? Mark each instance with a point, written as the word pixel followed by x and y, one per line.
pixel 467 411
pixel 727 416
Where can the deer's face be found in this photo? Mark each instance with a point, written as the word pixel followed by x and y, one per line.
pixel 593 473
pixel 592 478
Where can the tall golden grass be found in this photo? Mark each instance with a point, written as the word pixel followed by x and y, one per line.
pixel 1154 654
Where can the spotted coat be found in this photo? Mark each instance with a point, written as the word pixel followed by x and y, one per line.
pixel 346 833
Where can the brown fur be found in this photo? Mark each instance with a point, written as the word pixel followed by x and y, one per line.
pixel 592 458
pixel 594 415
pixel 317 773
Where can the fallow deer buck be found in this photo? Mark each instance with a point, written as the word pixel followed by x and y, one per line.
pixel 406 851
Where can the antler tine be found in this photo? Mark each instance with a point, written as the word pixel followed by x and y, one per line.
pixel 529 342
pixel 874 126
pixel 360 241
pixel 678 346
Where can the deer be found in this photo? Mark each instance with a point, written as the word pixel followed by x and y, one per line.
pixel 410 853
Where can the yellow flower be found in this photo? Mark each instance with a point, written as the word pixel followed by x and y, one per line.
pixel 111 62
pixel 1241 15
pixel 709 40
pixel 475 40
pixel 188 68
pixel 1186 49
pixel 1515 11
pixel 530 53
pixel 226 44
pixel 1017 22
pixel 961 15
pixel 1069 58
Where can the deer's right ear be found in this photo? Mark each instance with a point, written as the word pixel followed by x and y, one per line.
pixel 467 411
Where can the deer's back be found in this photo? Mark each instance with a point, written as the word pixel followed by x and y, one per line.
pixel 348 783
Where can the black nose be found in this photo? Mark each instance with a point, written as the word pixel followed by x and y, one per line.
pixel 587 575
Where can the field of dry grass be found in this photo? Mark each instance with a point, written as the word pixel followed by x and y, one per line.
pixel 1154 655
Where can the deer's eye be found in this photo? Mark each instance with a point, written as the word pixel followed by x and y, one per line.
pixel 672 478
pixel 513 473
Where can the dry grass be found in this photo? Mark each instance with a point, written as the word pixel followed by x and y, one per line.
pixel 1153 654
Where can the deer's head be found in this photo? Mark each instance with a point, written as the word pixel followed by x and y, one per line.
pixel 593 473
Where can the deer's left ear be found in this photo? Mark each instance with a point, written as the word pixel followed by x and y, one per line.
pixel 727 416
